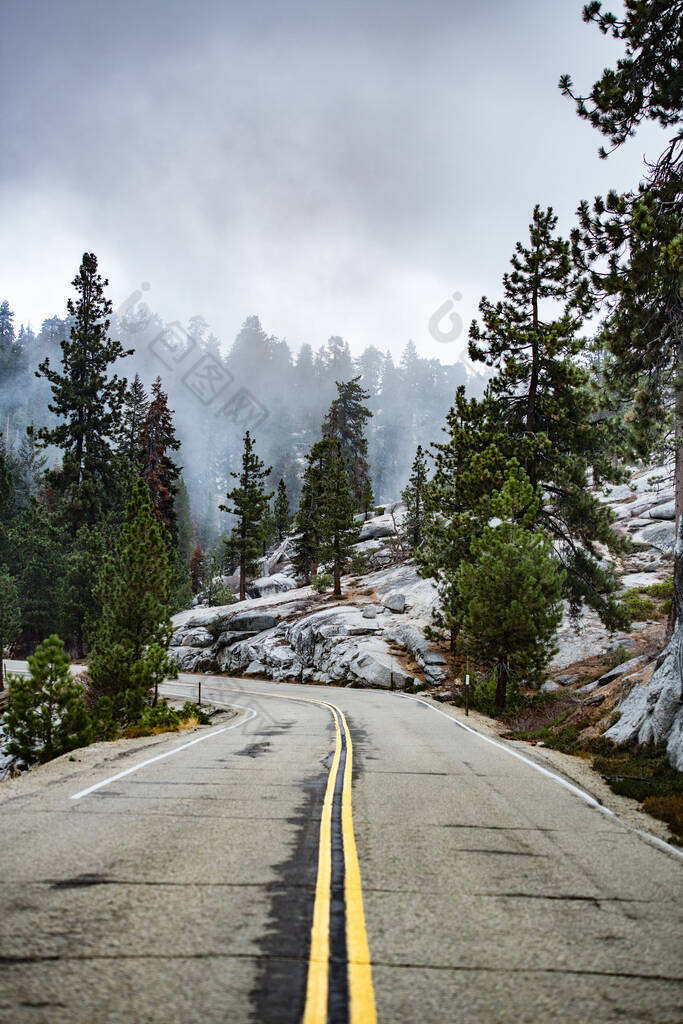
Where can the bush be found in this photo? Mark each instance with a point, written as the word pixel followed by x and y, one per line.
pixel 668 809
pixel 358 563
pixel 322 582
pixel 638 607
pixel 47 715
pixel 222 594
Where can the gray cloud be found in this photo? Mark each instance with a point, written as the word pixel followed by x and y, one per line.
pixel 337 168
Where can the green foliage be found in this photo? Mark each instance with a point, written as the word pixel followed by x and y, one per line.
pixel 510 592
pixel 10 616
pixel 221 594
pixel 159 471
pixel 338 531
pixel 38 548
pixel 46 716
pixel 638 608
pixel 134 588
pixel 345 423
pixel 322 582
pixel 164 718
pixel 414 499
pixel 87 398
pixel 359 563
pixel 250 506
pixel 282 514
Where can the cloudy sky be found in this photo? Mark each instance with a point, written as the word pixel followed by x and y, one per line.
pixel 335 167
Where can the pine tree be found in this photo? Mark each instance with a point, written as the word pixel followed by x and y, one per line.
pixel 197 569
pixel 37 555
pixel 338 530
pixel 250 505
pixel 414 499
pixel 157 439
pixel 135 408
pixel 632 243
pixel 46 716
pixel 182 588
pixel 511 590
pixel 545 401
pixel 346 422
pixel 10 617
pixel 367 498
pixel 281 512
pixel 30 468
pixel 135 588
pixel 306 545
pixel 87 397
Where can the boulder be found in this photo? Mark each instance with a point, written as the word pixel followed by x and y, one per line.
pixel 620 670
pixel 659 535
pixel 549 686
pixel 665 511
pixel 395 601
pixel 197 638
pixel 375 529
pixel 266 586
pixel 254 621
pixel 370 611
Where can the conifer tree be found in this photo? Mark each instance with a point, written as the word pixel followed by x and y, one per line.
pixel 346 421
pixel 414 500
pixel 30 468
pixel 135 588
pixel 197 569
pixel 135 408
pixel 10 617
pixel 338 530
pixel 182 588
pixel 157 439
pixel 545 401
pixel 282 512
pixel 250 505
pixel 46 716
pixel 510 591
pixel 87 398
pixel 367 498
pixel 37 554
pixel 632 242
pixel 305 552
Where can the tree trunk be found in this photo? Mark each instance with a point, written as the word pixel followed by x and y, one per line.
pixel 243 578
pixel 337 578
pixel 533 382
pixel 501 684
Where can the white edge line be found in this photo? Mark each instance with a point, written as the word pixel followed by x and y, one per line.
pixel 169 753
pixel 544 771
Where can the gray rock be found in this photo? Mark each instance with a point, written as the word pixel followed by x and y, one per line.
pixel 373 530
pixel 268 585
pixel 395 602
pixel 197 638
pixel 370 611
pixel 255 668
pixel 549 686
pixel 565 680
pixel 255 621
pixel 665 511
pixel 594 699
pixel 620 670
pixel 659 535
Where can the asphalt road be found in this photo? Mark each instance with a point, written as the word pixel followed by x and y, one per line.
pixel 185 890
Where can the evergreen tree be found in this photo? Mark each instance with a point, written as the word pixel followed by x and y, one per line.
pixel 157 439
pixel 197 569
pixel 135 588
pixel 135 408
pixel 30 468
pixel 281 512
pixel 82 604
pixel 10 617
pixel 338 530
pixel 346 422
pixel 182 589
pixel 367 498
pixel 510 590
pixel 305 552
pixel 414 499
pixel 46 716
pixel 6 496
pixel 632 243
pixel 250 505
pixel 545 401
pixel 37 555
pixel 87 397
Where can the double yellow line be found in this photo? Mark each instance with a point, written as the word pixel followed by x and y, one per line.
pixel 359 973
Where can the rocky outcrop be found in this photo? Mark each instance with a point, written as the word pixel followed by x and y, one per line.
pixel 653 712
pixel 278 583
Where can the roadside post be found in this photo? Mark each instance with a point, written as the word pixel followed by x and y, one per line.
pixel 467 688
pixel 199 693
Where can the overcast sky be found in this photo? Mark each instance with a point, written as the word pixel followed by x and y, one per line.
pixel 336 168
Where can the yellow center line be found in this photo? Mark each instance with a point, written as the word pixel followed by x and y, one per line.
pixel 361 993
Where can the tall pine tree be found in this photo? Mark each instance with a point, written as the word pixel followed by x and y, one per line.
pixel 414 500
pixel 346 422
pixel 338 530
pixel 88 398
pixel 159 471
pixel 249 503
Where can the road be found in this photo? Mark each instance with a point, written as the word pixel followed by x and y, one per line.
pixel 185 890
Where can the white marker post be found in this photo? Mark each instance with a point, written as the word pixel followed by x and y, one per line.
pixel 467 691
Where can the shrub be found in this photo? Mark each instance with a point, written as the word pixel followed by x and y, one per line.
pixel 322 582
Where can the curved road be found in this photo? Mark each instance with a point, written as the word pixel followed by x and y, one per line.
pixel 185 889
